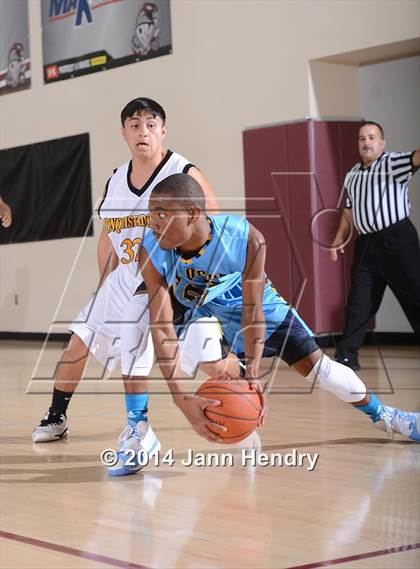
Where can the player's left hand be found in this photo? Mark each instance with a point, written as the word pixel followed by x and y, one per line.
pixel 194 408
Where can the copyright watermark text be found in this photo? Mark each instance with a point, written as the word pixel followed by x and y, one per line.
pixel 245 458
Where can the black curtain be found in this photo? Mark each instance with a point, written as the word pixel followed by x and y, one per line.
pixel 48 187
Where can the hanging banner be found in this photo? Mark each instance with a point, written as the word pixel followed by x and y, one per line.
pixel 84 36
pixel 15 64
pixel 47 185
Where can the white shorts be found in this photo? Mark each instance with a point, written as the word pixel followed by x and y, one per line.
pixel 114 325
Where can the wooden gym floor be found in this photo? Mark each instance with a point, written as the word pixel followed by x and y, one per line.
pixel 359 507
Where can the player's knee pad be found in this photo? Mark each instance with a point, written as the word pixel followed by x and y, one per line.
pixel 338 379
pixel 200 343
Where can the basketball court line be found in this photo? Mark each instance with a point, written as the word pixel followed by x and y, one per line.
pixel 129 565
pixel 357 557
pixel 72 551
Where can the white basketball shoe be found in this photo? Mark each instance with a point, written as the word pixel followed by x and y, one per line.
pixel 134 439
pixel 52 428
pixel 393 420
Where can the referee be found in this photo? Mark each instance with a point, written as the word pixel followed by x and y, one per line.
pixel 386 251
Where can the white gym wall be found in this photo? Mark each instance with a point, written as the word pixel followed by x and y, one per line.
pixel 235 64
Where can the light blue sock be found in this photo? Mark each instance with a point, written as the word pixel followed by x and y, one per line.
pixel 136 407
pixel 374 408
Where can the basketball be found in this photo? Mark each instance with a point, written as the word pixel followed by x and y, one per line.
pixel 239 410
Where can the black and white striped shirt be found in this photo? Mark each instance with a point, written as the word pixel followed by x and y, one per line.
pixel 378 194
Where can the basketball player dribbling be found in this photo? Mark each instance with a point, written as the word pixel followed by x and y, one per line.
pixel 215 267
pixel 108 326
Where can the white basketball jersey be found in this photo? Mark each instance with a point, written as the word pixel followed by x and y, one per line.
pixel 125 215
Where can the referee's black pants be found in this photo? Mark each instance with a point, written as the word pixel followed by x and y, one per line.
pixel 389 257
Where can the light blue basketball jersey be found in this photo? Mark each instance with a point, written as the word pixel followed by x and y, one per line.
pixel 210 283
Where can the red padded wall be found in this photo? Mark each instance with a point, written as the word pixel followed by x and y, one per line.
pixel 265 152
pixel 311 158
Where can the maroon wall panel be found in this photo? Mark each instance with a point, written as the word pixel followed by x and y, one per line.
pixel 265 152
pixel 300 217
pixel 326 152
pixel 299 191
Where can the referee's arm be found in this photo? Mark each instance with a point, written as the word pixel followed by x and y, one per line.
pixel 343 233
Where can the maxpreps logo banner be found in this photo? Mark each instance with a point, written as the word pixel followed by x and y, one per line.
pixel 84 36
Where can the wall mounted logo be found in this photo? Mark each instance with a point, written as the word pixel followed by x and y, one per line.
pixel 82 9
pixel 146 33
pixel 16 66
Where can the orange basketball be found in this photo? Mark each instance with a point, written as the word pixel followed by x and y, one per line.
pixel 239 410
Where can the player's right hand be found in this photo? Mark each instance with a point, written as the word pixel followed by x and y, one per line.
pixel 193 408
pixel 255 384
